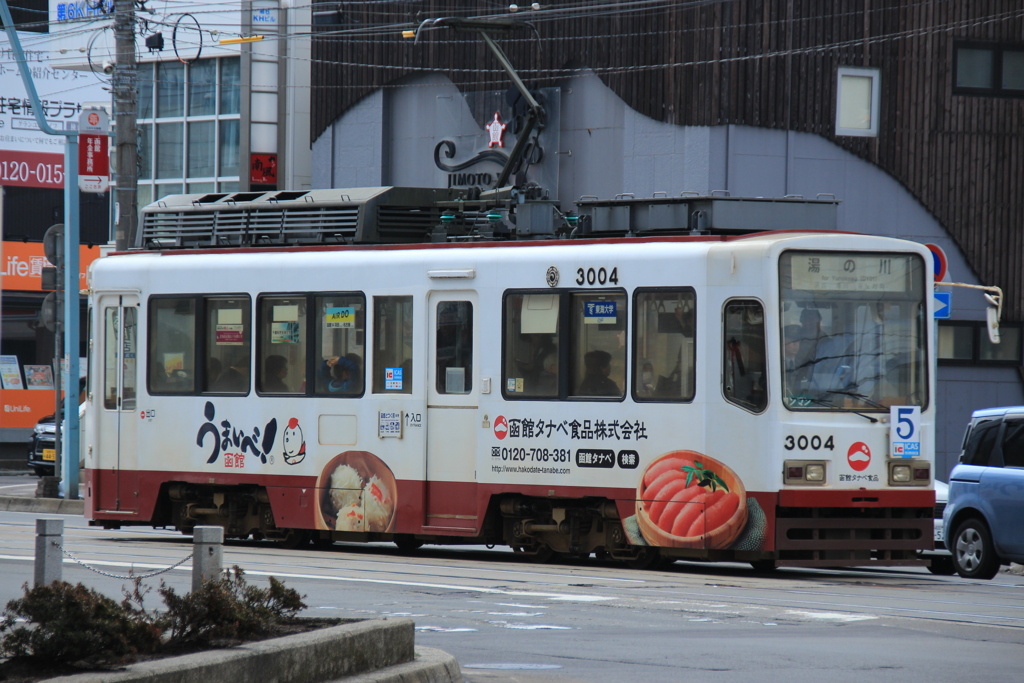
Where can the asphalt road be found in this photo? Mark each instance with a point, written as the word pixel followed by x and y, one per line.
pixel 508 621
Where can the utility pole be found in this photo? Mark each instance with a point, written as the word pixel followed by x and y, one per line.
pixel 124 84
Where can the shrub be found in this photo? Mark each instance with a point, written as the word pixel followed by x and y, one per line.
pixel 77 624
pixel 227 608
pixel 65 624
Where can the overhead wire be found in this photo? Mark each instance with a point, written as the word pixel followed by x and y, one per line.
pixel 391 30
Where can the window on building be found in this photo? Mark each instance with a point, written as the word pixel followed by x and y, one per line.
pixel 392 345
pixel 857 101
pixel 33 15
pixel 664 365
pixel 282 345
pixel 988 69
pixel 340 343
pixel 966 342
pixel 189 127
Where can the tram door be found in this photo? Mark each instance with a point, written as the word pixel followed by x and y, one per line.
pixel 115 482
pixel 452 402
pixel 741 426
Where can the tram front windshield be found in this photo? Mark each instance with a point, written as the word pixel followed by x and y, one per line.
pixel 853 330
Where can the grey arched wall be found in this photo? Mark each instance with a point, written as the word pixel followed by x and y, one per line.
pixel 604 148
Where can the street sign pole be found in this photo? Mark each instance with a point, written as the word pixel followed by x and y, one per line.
pixel 71 323
pixel 71 341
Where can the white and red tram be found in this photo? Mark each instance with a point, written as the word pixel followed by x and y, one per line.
pixel 715 397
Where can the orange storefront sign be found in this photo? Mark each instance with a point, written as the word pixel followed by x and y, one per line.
pixel 24 407
pixel 21 268
pixel 22 263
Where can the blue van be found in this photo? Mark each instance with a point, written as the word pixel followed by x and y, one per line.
pixel 984 516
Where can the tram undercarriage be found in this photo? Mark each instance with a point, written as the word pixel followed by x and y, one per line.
pixel 544 529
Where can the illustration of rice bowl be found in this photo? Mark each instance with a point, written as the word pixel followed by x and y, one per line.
pixel 688 500
pixel 357 492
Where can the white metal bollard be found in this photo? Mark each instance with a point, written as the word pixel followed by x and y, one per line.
pixel 207 554
pixel 49 563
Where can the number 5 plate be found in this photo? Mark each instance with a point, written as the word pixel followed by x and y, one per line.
pixel 905 431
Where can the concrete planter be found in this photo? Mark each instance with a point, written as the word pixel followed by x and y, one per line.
pixel 323 655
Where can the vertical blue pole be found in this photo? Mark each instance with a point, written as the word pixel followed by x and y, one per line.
pixel 72 286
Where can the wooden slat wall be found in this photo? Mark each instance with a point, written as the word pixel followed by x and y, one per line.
pixel 767 63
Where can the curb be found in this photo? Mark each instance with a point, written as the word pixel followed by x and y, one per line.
pixel 56 506
pixel 371 651
pixel 430 666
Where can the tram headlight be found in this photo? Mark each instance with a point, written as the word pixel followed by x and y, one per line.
pixel 910 472
pixel 807 472
pixel 901 473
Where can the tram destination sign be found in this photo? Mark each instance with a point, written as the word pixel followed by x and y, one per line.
pixel 850 272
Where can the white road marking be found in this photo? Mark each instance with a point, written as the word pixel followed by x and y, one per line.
pixel 565 597
pixel 441 629
pixel 833 616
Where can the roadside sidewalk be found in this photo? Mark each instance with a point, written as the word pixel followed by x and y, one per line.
pixel 428 665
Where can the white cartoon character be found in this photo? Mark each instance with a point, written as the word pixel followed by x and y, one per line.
pixel 294 444
pixel 496 131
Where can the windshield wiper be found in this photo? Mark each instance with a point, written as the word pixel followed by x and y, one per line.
pixel 833 407
pixel 859 396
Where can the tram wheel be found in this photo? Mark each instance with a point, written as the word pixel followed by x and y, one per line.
pixel 407 543
pixel 764 566
pixel 294 539
pixel 545 555
pixel 646 558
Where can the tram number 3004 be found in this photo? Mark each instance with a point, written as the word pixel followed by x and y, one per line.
pixel 815 443
pixel 597 276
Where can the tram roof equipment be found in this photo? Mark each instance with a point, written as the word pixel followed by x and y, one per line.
pixel 407 215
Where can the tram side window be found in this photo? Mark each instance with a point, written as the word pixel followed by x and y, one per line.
pixel 340 342
pixel 744 355
pixel 227 348
pixel 530 368
pixel 120 353
pixel 172 344
pixel 454 347
pixel 282 364
pixel 598 350
pixel 664 365
pixel 392 345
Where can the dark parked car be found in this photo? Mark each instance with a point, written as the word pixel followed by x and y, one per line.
pixel 42 453
pixel 41 448
pixel 984 516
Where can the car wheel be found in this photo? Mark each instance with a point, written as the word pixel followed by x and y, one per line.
pixel 974 555
pixel 942 566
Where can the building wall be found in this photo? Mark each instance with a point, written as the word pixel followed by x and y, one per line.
pixel 767 64
pixel 615 149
